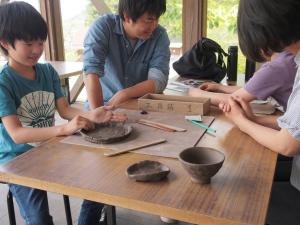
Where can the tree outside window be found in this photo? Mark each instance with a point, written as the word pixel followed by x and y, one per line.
pixel 222 26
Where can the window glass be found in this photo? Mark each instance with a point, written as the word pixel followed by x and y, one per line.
pixel 77 18
pixel 222 27
pixel 172 21
pixel 75 22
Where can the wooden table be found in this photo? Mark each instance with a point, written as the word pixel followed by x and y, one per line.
pixel 65 70
pixel 238 194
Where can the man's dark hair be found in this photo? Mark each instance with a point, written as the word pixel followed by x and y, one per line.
pixel 267 26
pixel 21 21
pixel 136 8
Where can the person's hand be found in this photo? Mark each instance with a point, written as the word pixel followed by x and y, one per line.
pixel 120 117
pixel 233 110
pixel 77 123
pixel 245 106
pixel 195 92
pixel 210 86
pixel 118 98
pixel 104 114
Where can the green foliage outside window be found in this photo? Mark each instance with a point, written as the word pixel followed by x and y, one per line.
pixel 222 27
pixel 171 20
pixel 221 22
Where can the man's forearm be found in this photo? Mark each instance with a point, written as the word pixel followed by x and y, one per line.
pixel 141 89
pixel 94 91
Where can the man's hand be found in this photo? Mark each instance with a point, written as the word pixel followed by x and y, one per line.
pixel 104 114
pixel 118 98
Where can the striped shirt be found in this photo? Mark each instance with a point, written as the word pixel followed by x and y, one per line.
pixel 291 121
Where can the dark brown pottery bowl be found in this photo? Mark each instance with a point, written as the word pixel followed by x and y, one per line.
pixel 147 170
pixel 201 163
pixel 104 133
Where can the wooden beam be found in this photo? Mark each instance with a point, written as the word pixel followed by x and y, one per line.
pixel 50 10
pixel 194 22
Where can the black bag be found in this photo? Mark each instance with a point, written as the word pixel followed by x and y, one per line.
pixel 203 61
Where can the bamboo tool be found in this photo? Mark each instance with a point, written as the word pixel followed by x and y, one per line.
pixel 203 126
pixel 161 126
pixel 142 145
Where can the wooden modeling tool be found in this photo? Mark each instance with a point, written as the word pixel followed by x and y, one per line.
pixel 142 145
pixel 161 126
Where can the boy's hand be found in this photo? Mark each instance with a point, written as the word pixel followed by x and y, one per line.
pixel 77 123
pixel 210 86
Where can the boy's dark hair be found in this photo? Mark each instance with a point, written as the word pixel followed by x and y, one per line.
pixel 21 21
pixel 267 26
pixel 136 8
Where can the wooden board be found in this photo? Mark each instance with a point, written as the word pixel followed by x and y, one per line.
pixel 176 141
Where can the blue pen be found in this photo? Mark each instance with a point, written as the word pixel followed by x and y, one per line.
pixel 203 126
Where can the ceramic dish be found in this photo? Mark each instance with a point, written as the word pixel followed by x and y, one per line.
pixel 147 171
pixel 107 133
pixel 201 163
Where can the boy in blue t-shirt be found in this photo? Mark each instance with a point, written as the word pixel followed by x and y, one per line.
pixel 30 93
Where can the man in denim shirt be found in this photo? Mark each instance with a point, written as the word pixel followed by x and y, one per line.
pixel 129 53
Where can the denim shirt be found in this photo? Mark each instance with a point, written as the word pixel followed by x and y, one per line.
pixel 108 53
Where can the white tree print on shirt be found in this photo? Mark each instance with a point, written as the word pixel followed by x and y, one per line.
pixel 37 109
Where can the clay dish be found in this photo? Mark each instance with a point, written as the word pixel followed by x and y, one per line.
pixel 147 170
pixel 201 163
pixel 107 133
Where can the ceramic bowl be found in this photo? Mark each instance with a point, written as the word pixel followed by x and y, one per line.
pixel 201 163
pixel 147 170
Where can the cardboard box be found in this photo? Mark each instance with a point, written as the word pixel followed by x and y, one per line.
pixel 174 104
